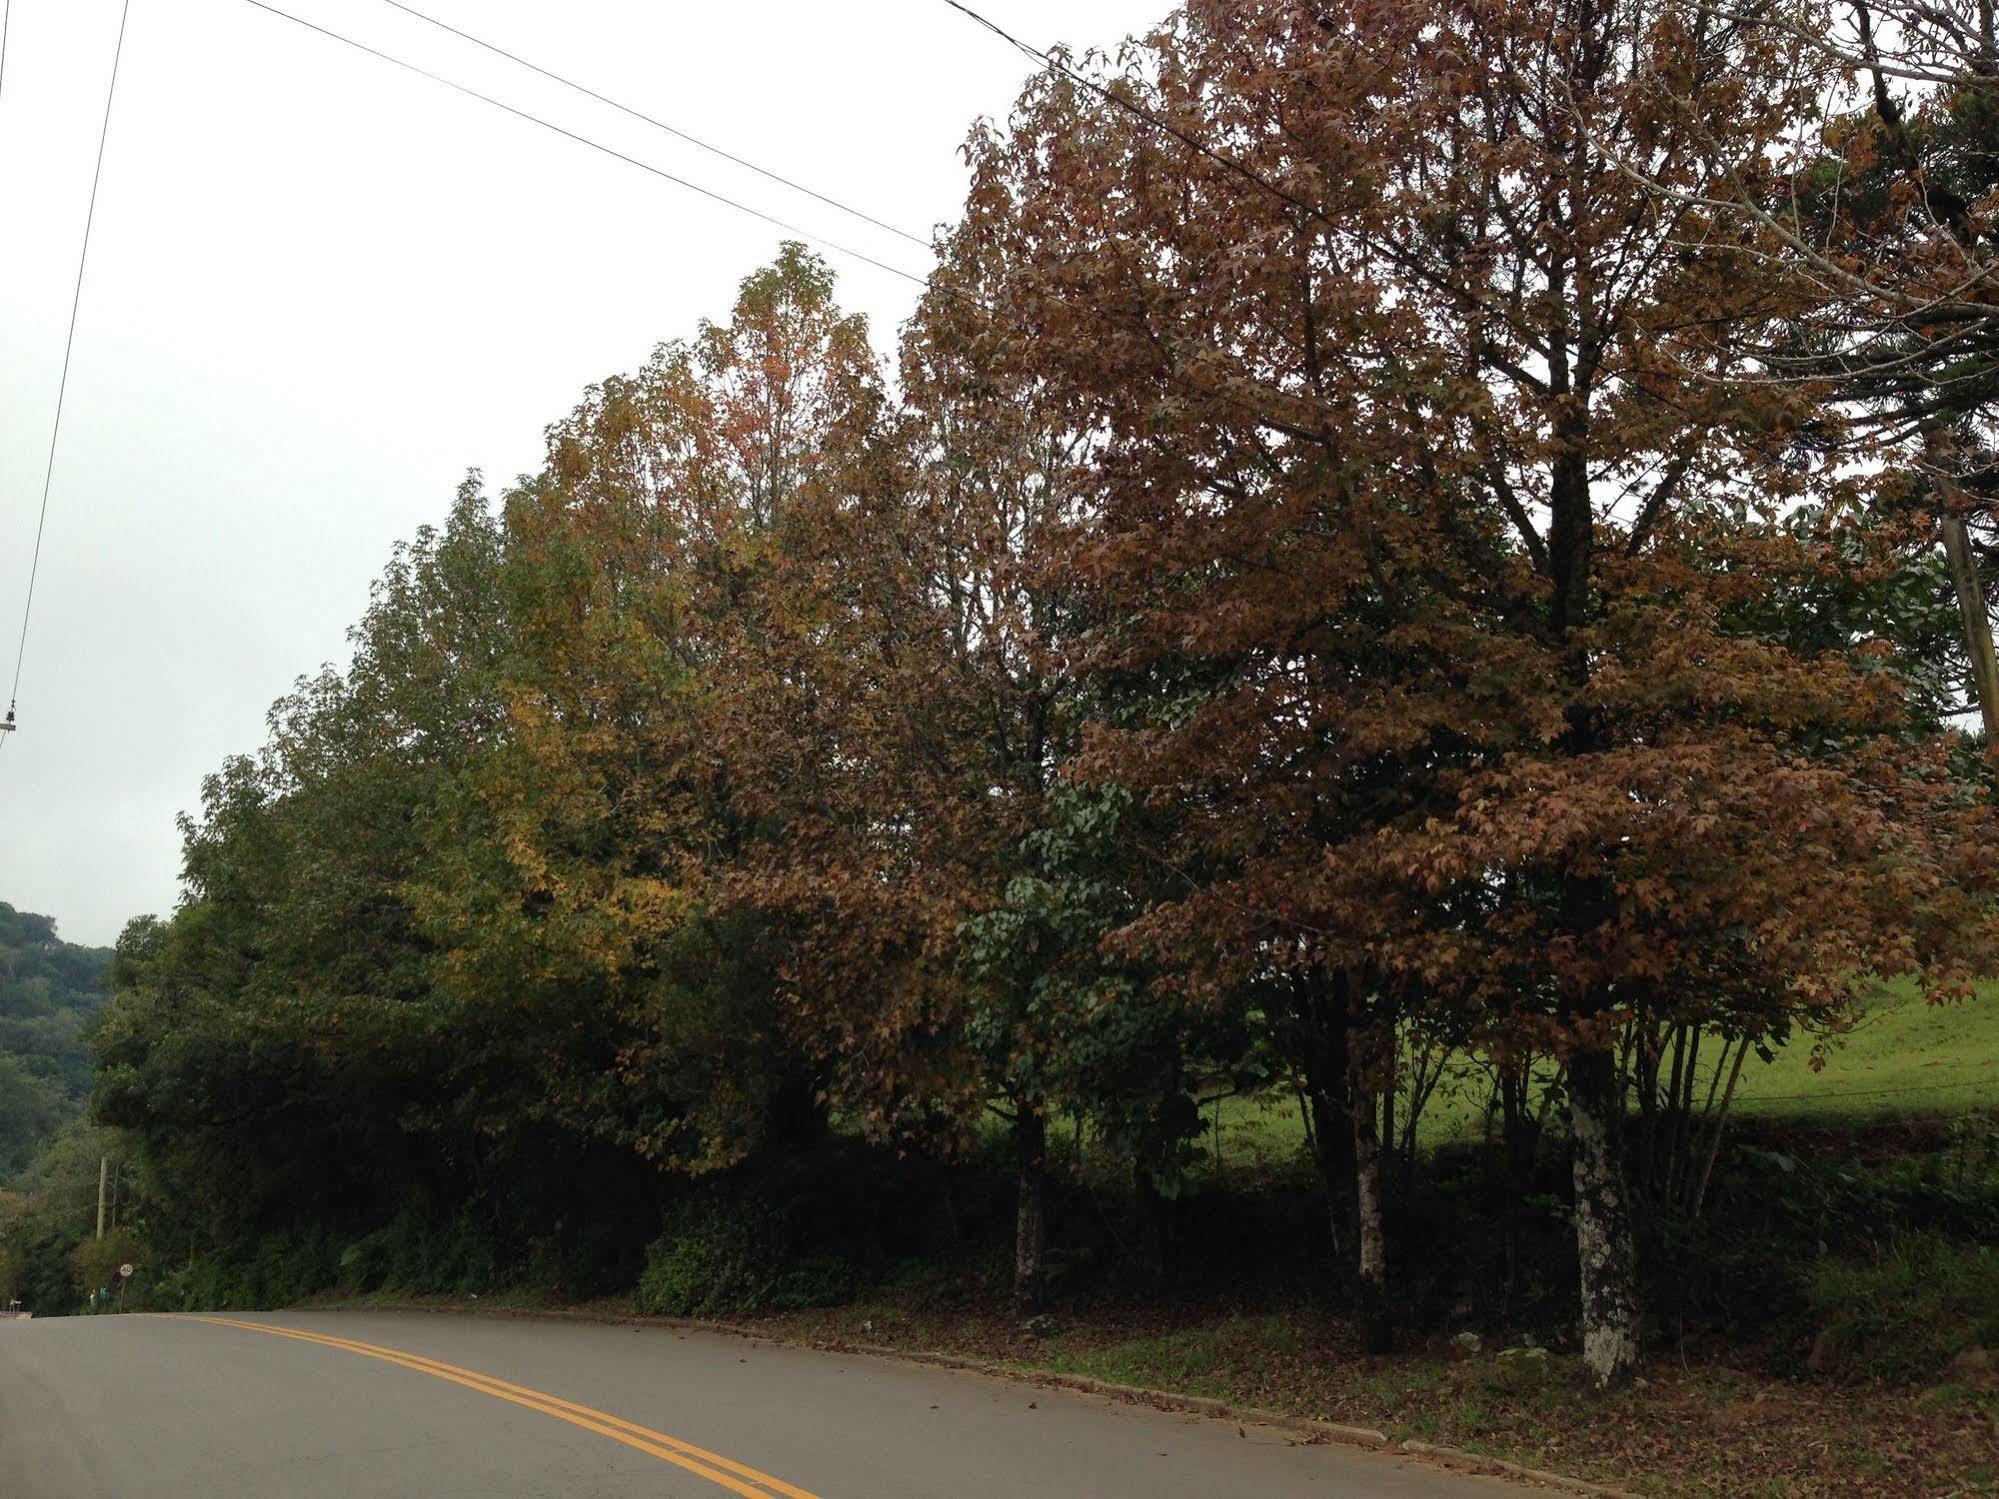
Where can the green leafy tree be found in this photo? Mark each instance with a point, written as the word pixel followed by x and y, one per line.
pixel 50 992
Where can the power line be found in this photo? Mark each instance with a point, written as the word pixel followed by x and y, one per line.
pixel 69 346
pixel 6 16
pixel 584 140
pixel 1048 59
pixel 1834 1093
pixel 658 124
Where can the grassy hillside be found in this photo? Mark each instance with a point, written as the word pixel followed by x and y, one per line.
pixel 50 991
pixel 1906 1058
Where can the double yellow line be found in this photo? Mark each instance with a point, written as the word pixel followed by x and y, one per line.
pixel 736 1477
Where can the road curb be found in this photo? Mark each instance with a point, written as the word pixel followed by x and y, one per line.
pixel 1473 1462
pixel 1167 1400
pixel 1310 1430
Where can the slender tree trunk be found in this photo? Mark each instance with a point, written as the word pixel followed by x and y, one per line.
pixel 1661 1165
pixel 1388 1088
pixel 1977 623
pixel 1720 1123
pixel 1373 1238
pixel 1684 1165
pixel 1603 1223
pixel 1323 1018
pixel 1648 1105
pixel 1516 1161
pixel 1334 1134
pixel 1030 1227
pixel 1155 1222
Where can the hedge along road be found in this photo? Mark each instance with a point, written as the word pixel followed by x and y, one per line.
pixel 342 1404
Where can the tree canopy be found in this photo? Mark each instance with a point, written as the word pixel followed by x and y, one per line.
pixel 50 992
pixel 1339 573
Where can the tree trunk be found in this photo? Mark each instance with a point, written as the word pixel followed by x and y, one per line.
pixel 1603 1224
pixel 1720 1123
pixel 1941 454
pixel 1647 1076
pixel 1334 1158
pixel 1977 623
pixel 1325 1045
pixel 1030 1225
pixel 1373 1239
pixel 1155 1225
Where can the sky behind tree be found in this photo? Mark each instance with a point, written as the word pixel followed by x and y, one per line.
pixel 321 288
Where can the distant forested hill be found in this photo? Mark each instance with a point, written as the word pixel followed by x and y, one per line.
pixel 50 991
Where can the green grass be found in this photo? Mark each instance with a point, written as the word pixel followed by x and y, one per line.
pixel 1905 1058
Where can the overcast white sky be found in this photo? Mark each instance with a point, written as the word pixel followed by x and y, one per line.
pixel 321 288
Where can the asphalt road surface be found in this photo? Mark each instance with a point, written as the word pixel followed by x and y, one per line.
pixel 336 1405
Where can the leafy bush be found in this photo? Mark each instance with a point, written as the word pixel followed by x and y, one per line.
pixel 1906 1313
pixel 36 1270
pixel 1790 1215
pixel 809 1228
pixel 95 1262
pixel 722 1256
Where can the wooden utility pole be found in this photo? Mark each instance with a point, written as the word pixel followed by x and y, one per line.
pixel 103 1180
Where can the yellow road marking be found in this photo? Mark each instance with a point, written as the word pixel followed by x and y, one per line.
pixel 712 1466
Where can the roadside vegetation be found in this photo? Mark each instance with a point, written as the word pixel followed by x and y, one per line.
pixel 50 992
pixel 1357 757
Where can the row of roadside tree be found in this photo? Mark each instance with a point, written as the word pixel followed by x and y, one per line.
pixel 1395 531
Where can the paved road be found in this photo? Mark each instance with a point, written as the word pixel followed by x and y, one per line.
pixel 337 1405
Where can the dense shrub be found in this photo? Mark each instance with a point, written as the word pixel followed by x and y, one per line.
pixel 1906 1312
pixel 720 1256
pixel 810 1228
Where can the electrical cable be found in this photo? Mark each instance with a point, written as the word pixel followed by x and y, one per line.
pixel 584 140
pixel 68 348
pixel 657 124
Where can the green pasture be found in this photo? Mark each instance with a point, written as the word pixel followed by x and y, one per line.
pixel 1905 1058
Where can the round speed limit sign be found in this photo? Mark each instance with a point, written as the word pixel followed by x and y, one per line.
pixel 124 1272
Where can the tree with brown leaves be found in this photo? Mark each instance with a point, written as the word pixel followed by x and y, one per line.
pixel 1401 443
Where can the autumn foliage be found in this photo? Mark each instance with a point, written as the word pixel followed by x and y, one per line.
pixel 1327 583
